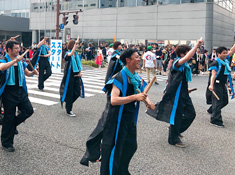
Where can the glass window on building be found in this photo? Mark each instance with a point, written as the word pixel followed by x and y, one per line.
pixel 126 3
pixel 146 2
pixel 23 15
pixel 34 7
pixel 91 4
pixel 227 4
pixel 108 3
pixel 160 2
pixel 2 37
pixel 76 5
pixel 192 1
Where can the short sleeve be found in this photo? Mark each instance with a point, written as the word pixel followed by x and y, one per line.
pixel 180 68
pixel 154 56
pixel 213 66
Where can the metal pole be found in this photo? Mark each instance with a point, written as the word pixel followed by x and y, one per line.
pixel 83 20
pixel 39 16
pixel 51 16
pixel 57 18
pixel 44 5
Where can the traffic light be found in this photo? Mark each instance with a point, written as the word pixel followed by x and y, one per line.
pixel 65 22
pixel 75 19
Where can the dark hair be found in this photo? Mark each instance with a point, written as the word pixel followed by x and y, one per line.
pixel 127 54
pixel 10 44
pixel 116 44
pixel 219 50
pixel 70 44
pixel 182 49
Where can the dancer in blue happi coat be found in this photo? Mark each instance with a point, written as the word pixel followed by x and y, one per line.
pixel 71 86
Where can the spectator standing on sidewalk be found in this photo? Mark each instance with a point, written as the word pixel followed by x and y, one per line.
pixel 159 59
pixel 149 62
pixel 110 52
pixel 173 56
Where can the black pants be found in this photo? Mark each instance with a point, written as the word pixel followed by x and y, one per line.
pixel 195 68
pixel 83 56
pixel 165 66
pixel 217 105
pixel 73 92
pixel 185 114
pixel 44 65
pixel 12 98
pixel 125 149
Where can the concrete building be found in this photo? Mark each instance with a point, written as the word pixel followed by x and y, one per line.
pixel 180 21
pixel 14 20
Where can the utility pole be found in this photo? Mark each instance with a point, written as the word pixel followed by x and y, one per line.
pixel 57 18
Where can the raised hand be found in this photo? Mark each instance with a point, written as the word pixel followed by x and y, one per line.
pixel 200 41
pixel 46 38
pixel 77 41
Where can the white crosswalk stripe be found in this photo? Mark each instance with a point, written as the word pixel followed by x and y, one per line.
pixel 93 82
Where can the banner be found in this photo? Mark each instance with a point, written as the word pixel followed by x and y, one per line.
pixel 56 56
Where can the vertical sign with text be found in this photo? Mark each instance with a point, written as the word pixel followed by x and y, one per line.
pixel 56 56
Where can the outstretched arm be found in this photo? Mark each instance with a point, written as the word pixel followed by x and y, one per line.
pixel 189 55
pixel 5 66
pixel 42 42
pixel 232 51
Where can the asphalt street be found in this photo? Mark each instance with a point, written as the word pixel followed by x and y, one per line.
pixel 51 143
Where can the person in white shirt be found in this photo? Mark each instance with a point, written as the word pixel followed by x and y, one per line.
pixel 149 62
pixel 110 52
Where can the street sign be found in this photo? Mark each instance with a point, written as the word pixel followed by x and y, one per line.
pixel 56 56
pixel 61 26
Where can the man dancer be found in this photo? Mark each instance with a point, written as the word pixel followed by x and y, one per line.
pixel 149 62
pixel 117 127
pixel 14 93
pixel 176 106
pixel 42 57
pixel 219 75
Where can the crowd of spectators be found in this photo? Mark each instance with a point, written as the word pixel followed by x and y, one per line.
pixel 164 55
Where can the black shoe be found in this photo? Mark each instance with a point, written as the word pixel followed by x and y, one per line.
pixel 9 149
pixel 16 132
pixel 156 83
pixel 218 125
pixel 209 111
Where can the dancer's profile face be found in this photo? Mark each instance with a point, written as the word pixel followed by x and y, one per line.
pixel 135 60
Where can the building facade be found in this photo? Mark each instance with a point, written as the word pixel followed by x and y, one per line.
pixel 14 20
pixel 15 8
pixel 179 21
